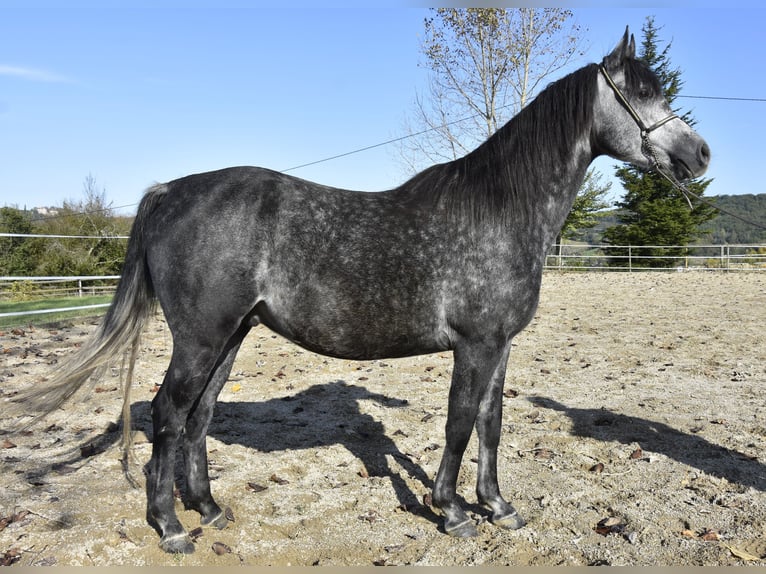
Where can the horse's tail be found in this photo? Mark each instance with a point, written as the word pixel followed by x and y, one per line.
pixel 118 333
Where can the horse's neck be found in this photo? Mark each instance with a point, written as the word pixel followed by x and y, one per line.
pixel 546 191
pixel 558 192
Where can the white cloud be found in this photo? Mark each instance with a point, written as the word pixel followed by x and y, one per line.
pixel 32 74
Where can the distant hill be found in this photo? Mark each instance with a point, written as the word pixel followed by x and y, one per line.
pixel 728 229
pixel 723 229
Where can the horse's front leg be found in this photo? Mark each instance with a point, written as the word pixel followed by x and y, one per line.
pixel 488 425
pixel 476 365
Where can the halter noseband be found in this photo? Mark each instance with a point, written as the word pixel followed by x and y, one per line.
pixel 646 145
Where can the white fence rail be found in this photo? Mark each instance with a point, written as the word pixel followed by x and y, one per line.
pixel 70 286
pixel 657 257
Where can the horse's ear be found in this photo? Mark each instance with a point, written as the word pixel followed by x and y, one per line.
pixel 625 49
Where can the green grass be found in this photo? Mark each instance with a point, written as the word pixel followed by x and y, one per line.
pixel 51 303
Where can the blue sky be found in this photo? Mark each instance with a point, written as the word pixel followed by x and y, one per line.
pixel 138 92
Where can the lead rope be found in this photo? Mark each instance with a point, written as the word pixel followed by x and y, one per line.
pixel 685 191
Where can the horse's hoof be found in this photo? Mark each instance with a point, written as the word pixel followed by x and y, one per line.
pixel 177 544
pixel 464 529
pixel 220 522
pixel 510 521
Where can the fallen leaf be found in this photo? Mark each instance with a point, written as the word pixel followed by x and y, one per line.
pixel 710 536
pixel 370 516
pixel 252 486
pixel 124 536
pixel 7 444
pixel 229 514
pixel 427 417
pixel 511 393
pixel 636 454
pixel 236 387
pixel 597 468
pixel 543 454
pixel 19 516
pixel 610 525
pixel 196 533
pixel 10 557
pixel 689 533
pixel 742 554
pixel 278 480
pixel 220 548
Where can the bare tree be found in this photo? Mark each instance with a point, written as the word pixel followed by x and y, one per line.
pixel 485 64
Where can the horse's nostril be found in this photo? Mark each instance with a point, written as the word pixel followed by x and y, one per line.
pixel 704 154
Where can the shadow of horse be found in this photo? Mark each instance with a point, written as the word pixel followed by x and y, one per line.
pixel 322 415
pixel 653 436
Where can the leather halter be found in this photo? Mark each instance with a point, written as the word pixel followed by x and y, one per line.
pixel 645 131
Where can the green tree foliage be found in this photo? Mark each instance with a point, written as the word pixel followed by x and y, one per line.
pixel 100 254
pixel 653 212
pixel 588 206
pixel 16 253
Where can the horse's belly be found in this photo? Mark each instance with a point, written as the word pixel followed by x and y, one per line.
pixel 353 333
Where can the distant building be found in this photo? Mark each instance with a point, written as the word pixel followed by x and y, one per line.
pixel 46 211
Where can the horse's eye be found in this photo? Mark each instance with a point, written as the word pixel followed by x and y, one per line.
pixel 644 94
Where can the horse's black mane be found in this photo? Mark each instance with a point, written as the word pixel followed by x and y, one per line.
pixel 498 178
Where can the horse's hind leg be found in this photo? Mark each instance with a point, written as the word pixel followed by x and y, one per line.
pixel 187 376
pixel 198 495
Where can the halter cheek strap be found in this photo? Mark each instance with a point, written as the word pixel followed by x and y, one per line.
pixel 645 131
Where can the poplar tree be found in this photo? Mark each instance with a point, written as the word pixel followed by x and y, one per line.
pixel 486 64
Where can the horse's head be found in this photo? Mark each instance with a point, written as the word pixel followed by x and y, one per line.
pixel 634 123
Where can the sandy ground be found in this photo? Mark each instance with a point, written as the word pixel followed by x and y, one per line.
pixel 634 425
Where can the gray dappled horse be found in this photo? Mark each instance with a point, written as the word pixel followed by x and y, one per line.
pixel 450 260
